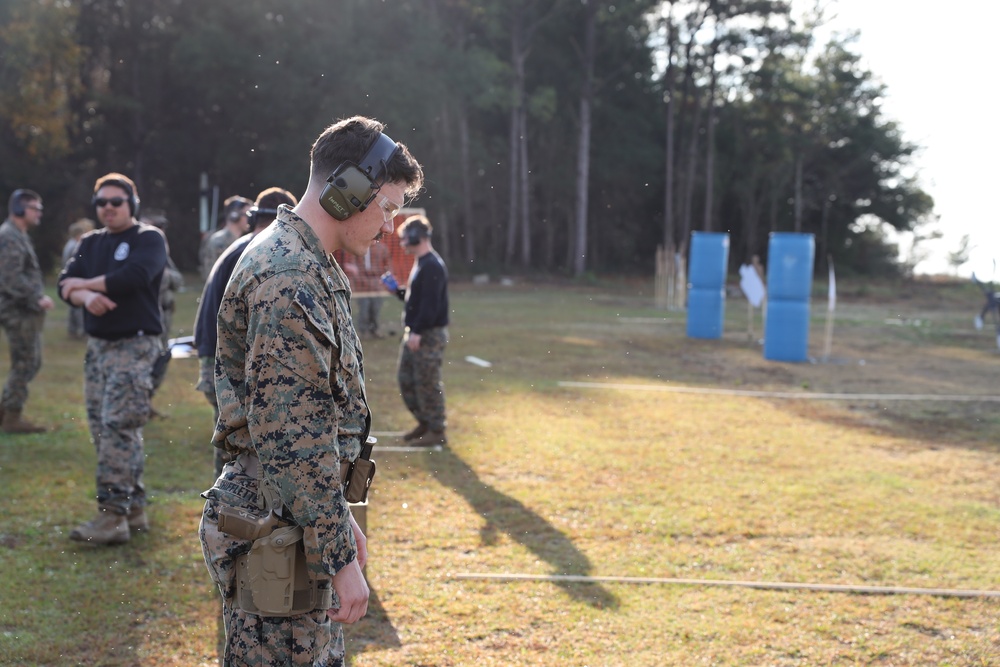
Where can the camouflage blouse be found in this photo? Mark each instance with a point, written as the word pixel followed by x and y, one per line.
pixel 20 276
pixel 290 381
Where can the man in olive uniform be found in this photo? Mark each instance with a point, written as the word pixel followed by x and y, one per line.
pixel 115 277
pixel 290 384
pixel 235 211
pixel 22 307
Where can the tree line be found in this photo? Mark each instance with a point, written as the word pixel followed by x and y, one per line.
pixel 566 136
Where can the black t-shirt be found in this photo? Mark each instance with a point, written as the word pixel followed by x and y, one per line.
pixel 427 294
pixel 132 264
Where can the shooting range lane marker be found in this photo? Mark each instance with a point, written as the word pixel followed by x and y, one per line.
pixel 764 585
pixel 478 362
pixel 955 398
pixel 406 448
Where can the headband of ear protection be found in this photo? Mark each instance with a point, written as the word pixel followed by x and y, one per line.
pixel 256 212
pixel 415 233
pixel 132 199
pixel 351 187
pixel 17 207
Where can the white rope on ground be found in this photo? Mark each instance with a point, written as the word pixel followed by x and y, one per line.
pixel 405 448
pixel 956 398
pixel 765 585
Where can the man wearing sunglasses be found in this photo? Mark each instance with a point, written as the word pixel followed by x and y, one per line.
pixel 23 303
pixel 115 276
pixel 292 410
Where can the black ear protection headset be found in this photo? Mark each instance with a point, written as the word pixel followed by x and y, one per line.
pixel 415 233
pixel 256 212
pixel 17 207
pixel 352 187
pixel 132 199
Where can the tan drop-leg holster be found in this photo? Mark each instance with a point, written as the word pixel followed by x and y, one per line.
pixel 272 579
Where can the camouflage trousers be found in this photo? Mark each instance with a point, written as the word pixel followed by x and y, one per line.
pixel 260 641
pixel 160 369
pixel 74 325
pixel 366 314
pixel 118 387
pixel 206 385
pixel 419 376
pixel 24 334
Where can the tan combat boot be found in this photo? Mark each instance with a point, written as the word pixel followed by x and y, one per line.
pixel 137 519
pixel 107 528
pixel 14 423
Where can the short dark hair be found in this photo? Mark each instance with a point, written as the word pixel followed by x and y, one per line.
pixel 19 198
pixel 349 139
pixel 270 200
pixel 120 180
pixel 232 205
pixel 419 222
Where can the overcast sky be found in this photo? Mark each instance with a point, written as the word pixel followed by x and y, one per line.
pixel 936 60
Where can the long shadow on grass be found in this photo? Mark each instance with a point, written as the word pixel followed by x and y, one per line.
pixel 508 515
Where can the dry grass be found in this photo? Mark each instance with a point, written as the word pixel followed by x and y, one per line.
pixel 543 479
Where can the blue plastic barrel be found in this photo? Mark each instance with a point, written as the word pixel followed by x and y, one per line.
pixel 705 313
pixel 706 301
pixel 786 331
pixel 790 266
pixel 789 287
pixel 709 259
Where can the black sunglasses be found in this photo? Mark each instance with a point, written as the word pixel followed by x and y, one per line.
pixel 101 202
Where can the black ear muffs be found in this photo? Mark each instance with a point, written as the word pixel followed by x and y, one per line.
pixel 256 212
pixel 414 234
pixel 17 204
pixel 132 198
pixel 352 187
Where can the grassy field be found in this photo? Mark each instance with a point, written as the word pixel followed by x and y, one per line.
pixel 542 478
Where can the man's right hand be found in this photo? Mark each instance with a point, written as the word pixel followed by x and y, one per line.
pixel 352 589
pixel 98 304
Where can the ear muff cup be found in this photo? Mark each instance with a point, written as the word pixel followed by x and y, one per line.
pixel 17 204
pixel 351 187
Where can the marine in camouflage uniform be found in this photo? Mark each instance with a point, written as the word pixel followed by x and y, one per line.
pixel 291 391
pixel 116 277
pixel 234 209
pixel 22 307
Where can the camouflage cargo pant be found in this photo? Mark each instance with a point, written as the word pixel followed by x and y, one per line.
pixel 118 386
pixel 419 376
pixel 160 369
pixel 24 334
pixel 366 314
pixel 261 641
pixel 206 385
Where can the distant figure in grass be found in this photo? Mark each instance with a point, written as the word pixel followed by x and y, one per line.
pixel 262 214
pixel 366 289
pixel 23 304
pixel 74 326
pixel 425 335
pixel 115 276
pixel 170 285
pixel 234 210
pixel 293 411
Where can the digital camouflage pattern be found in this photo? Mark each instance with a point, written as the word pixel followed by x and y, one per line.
pixel 171 283
pixel 212 249
pixel 290 386
pixel 419 376
pixel 21 317
pixel 206 385
pixel 118 386
pixel 307 639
